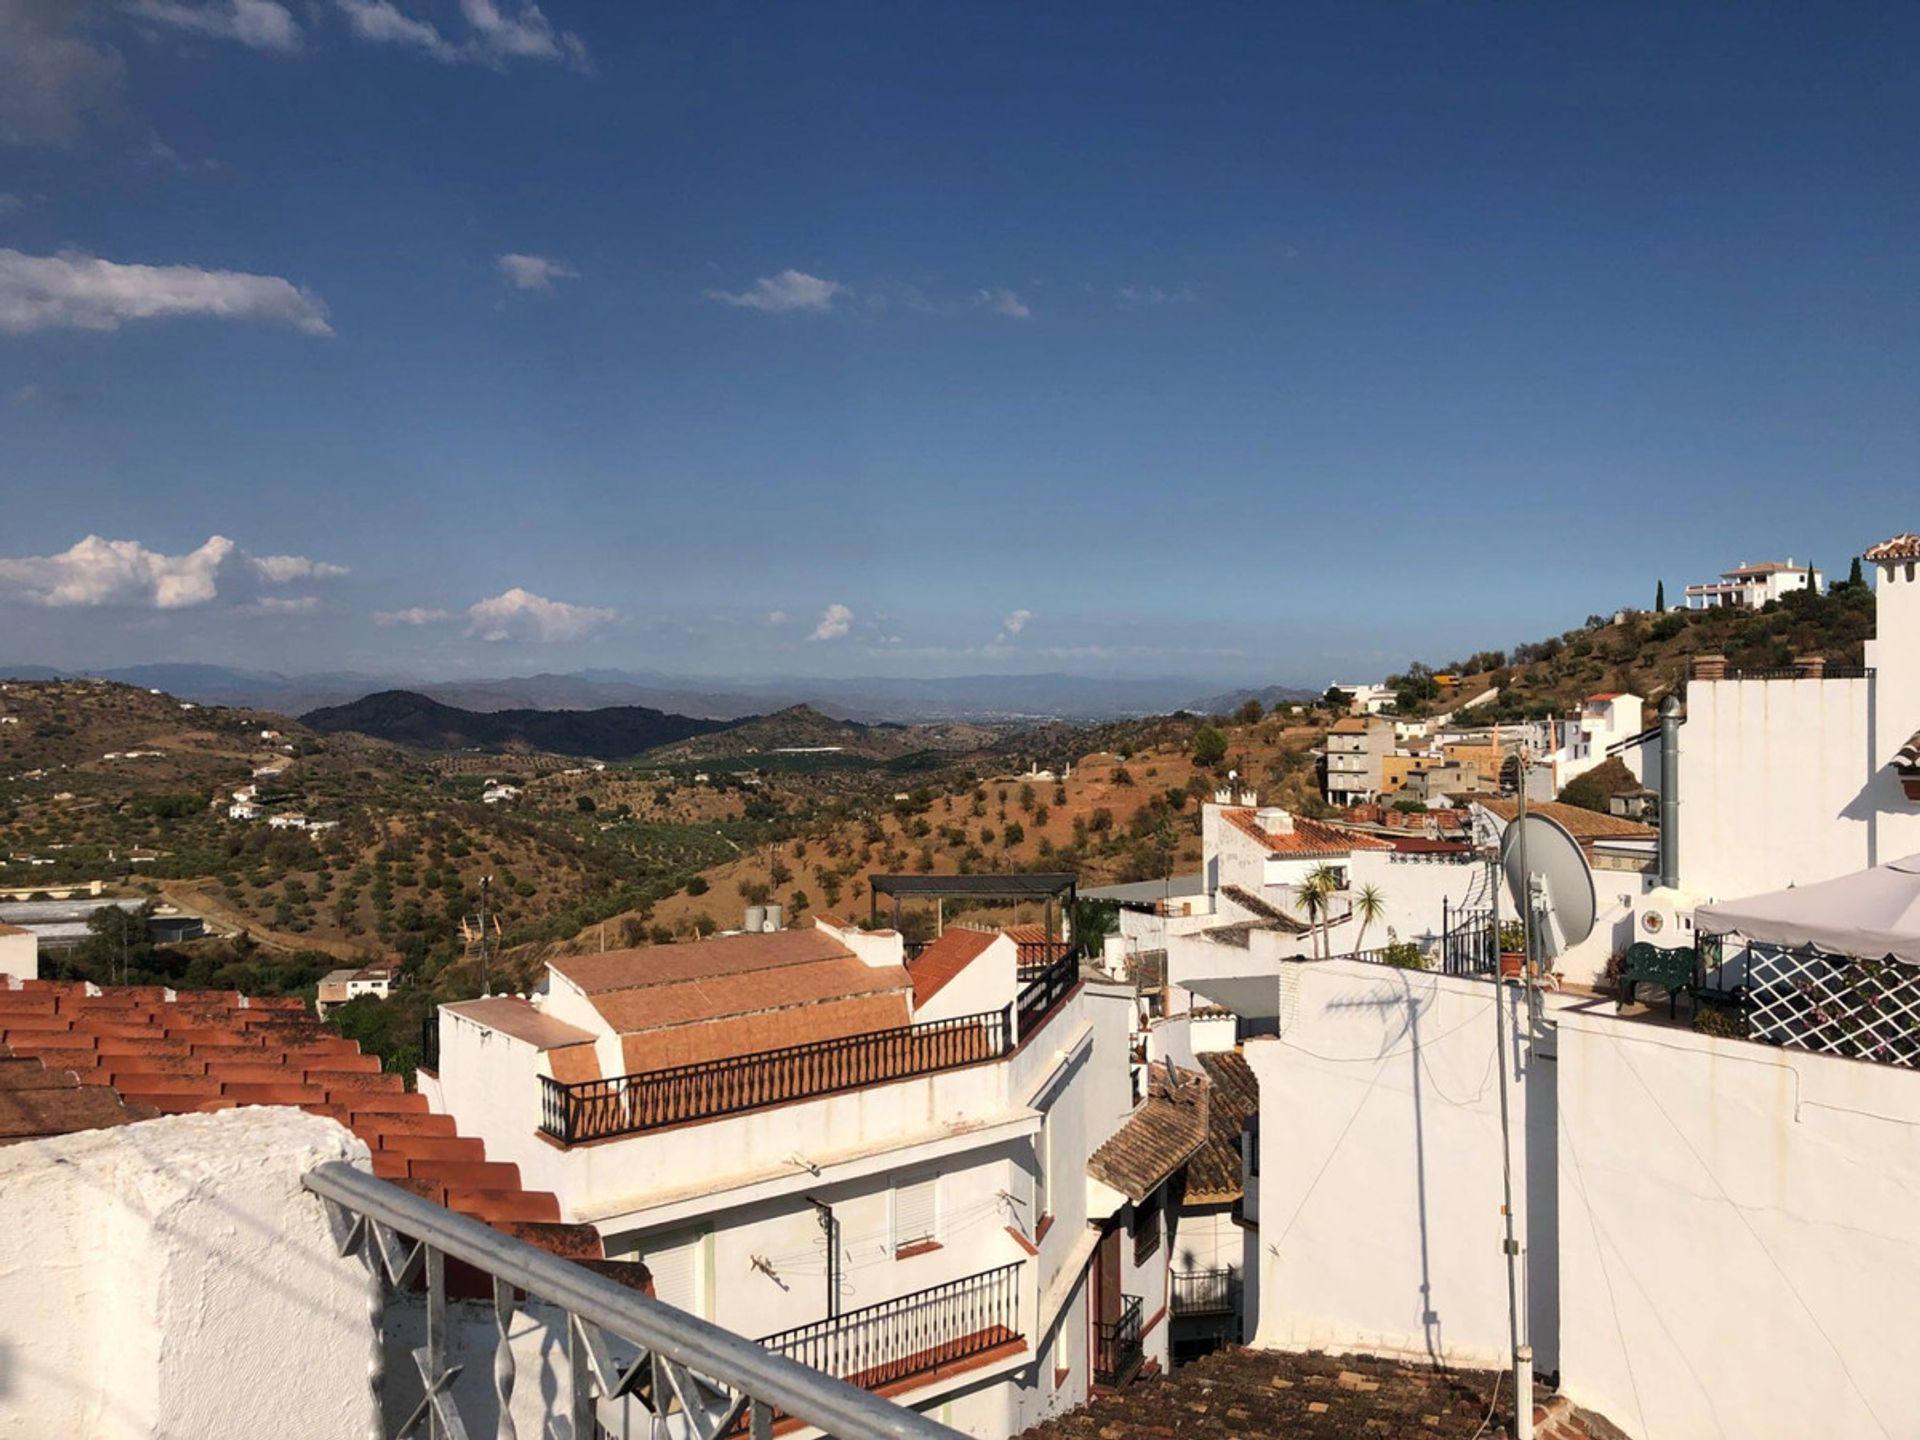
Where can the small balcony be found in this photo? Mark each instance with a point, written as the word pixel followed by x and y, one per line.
pixel 1205 1292
pixel 1118 1352
pixel 584 1110
pixel 895 1340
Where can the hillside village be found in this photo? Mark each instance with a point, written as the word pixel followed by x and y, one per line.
pixel 746 969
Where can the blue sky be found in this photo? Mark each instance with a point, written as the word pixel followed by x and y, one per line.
pixel 1258 343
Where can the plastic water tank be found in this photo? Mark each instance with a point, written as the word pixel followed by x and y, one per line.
pixel 756 919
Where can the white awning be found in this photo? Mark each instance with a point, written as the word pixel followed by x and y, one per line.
pixel 1870 914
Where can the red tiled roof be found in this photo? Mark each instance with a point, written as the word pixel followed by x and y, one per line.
pixel 1421 845
pixel 945 958
pixel 1157 1139
pixel 210 1050
pixel 1213 1174
pixel 1309 837
pixel 1607 695
pixel 1581 823
pixel 1034 945
pixel 511 1015
pixel 697 960
pixel 1901 547
pixel 14 930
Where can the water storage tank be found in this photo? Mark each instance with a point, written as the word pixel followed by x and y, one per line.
pixel 773 917
pixel 756 919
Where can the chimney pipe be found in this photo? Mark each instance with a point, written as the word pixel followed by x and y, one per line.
pixel 1670 792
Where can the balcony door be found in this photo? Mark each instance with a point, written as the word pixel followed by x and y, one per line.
pixel 1106 1277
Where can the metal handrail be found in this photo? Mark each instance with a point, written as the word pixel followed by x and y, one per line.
pixel 1047 990
pixel 709 1374
pixel 893 1339
pixel 1205 1292
pixel 581 1110
pixel 1118 1350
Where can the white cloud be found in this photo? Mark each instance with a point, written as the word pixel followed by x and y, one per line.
pixel 534 272
pixel 1002 302
pixel 81 292
pixel 835 621
pixel 416 615
pixel 97 571
pixel 286 604
pixel 790 290
pixel 518 614
pixel 778 617
pixel 261 24
pixel 496 33
pixel 50 78
pixel 1012 626
pixel 282 569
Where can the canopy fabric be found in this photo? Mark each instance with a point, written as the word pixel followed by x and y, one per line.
pixel 1870 914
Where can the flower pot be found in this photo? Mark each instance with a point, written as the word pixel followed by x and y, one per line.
pixel 1513 964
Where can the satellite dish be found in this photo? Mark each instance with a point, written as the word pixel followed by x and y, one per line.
pixel 1562 880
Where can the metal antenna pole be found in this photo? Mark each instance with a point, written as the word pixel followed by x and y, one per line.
pixel 1522 1354
pixel 486 980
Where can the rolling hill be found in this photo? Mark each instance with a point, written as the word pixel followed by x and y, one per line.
pixel 404 717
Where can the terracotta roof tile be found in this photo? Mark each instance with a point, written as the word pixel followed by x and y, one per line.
pixel 733 1035
pixel 279 1054
pixel 945 958
pixel 1900 547
pixel 1309 837
pixel 511 1015
pixel 571 1064
pixel 1213 1174
pixel 691 1002
pixel 1158 1138
pixel 1033 944
pixel 697 960
pixel 1580 823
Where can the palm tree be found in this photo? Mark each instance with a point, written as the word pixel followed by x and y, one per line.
pixel 1314 894
pixel 1369 905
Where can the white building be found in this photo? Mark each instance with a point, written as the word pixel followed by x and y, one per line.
pixel 337 987
pixel 499 794
pixel 1787 779
pixel 1753 585
pixel 19 953
pixel 920 1174
pixel 288 820
pixel 1604 721
pixel 1368 699
pixel 243 810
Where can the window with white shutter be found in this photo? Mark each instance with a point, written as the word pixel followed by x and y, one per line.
pixel 674 1263
pixel 915 1217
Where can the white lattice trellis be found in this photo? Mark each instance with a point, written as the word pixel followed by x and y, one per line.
pixel 1834 1004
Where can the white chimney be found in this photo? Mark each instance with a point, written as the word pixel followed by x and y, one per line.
pixel 1274 820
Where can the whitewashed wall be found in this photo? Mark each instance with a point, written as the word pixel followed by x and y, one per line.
pixel 1380 1191
pixel 1418 892
pixel 1738 1253
pixel 172 1278
pixel 19 953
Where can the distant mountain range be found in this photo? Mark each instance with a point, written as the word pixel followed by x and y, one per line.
pixel 1269 697
pixel 617 732
pixel 992 698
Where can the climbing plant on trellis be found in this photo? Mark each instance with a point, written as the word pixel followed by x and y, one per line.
pixel 1832 1004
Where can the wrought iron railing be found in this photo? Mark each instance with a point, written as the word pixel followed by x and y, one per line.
pixel 630 1104
pixel 621 1345
pixel 1796 672
pixel 1117 1348
pixel 896 1339
pixel 430 1042
pixel 1468 942
pixel 1046 990
pixel 1205 1292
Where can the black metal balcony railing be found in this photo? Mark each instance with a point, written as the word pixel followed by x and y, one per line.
pixel 629 1104
pixel 430 1042
pixel 1117 1349
pixel 1046 990
pixel 1206 1292
pixel 909 1335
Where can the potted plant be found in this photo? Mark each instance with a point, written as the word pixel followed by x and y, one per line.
pixel 1513 950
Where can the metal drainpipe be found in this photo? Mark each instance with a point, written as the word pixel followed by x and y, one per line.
pixel 1670 791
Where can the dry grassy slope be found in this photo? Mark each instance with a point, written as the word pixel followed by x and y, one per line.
pixel 1271 755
